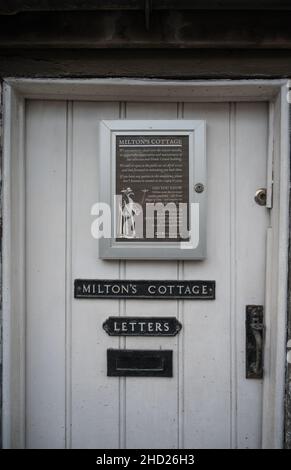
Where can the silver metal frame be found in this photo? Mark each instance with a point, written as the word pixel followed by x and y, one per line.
pixel 196 130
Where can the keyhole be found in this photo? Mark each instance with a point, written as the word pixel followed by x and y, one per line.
pixel 261 196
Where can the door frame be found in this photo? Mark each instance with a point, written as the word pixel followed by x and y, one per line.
pixel 16 92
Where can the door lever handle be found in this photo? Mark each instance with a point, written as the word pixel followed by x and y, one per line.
pixel 254 341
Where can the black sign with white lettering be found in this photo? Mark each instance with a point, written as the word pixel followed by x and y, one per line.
pixel 117 289
pixel 152 170
pixel 142 326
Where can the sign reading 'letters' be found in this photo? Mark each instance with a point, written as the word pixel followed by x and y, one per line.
pixel 142 326
pixel 117 289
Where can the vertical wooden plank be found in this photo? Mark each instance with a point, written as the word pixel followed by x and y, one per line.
pixel 207 421
pixel 152 403
pixel 232 272
pixel 268 421
pixel 69 256
pixel 251 150
pixel 45 273
pixel 122 340
pixel 95 397
pixel 180 342
pixel 13 272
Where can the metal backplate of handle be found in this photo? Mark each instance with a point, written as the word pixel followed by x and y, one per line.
pixel 254 341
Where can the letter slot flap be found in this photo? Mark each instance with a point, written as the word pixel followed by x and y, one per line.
pixel 139 363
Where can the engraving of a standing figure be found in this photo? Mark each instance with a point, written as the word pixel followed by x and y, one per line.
pixel 128 210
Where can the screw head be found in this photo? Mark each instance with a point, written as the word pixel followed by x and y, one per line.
pixel 199 188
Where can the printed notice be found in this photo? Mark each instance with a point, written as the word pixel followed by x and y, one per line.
pixel 152 183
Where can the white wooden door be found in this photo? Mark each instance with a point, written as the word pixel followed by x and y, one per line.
pixel 70 401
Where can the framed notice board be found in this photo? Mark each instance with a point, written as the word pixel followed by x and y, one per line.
pixel 153 189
